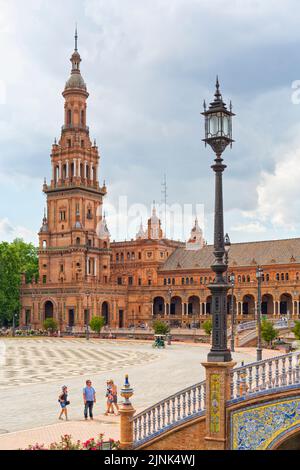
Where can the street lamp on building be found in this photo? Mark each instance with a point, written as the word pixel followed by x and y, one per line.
pixel 232 282
pixel 218 134
pixel 259 273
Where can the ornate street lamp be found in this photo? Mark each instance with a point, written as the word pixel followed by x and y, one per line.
pixel 259 273
pixel 232 282
pixel 227 246
pixel 218 134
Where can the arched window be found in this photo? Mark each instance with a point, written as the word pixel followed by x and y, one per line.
pixel 248 278
pixel 44 244
pixel 117 257
pixel 243 279
pixel 287 276
pixel 277 277
pixel 77 241
pixel 282 276
pixel 82 118
pixel 239 279
pixel 69 118
pixel 267 277
pixel 297 276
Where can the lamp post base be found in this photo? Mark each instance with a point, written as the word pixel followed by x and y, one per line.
pixel 219 356
pixel 259 354
pixel 232 345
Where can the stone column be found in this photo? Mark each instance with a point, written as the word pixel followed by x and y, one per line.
pixel 274 308
pixel 217 393
pixel 127 412
pixel 75 167
pixel 67 169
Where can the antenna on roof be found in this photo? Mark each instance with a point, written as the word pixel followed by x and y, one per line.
pixel 164 196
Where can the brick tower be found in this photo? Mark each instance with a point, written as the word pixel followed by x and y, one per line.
pixel 74 245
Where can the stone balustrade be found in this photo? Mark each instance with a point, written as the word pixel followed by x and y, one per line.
pixel 168 413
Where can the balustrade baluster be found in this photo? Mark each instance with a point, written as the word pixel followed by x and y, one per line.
pixel 283 372
pixel 154 419
pixel 238 384
pixel 194 401
pixel 135 431
pixel 199 391
pixel 159 417
pixel 250 380
pixel 257 377
pixel 290 359
pixel 270 379
pixel 276 373
pixel 169 412
pixel 297 368
pixel 189 402
pixel 179 406
pixel 145 425
pixel 173 410
pixel 263 376
pixel 139 428
pixel 149 423
pixel 163 414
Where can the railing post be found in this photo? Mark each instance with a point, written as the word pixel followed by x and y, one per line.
pixel 126 422
pixel 218 392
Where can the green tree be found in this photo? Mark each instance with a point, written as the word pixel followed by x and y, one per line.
pixel 296 330
pixel 50 325
pixel 268 332
pixel 207 326
pixel 97 323
pixel 16 258
pixel 161 328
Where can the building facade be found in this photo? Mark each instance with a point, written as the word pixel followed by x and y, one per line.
pixel 83 274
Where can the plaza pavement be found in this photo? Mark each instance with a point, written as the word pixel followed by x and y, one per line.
pixel 39 367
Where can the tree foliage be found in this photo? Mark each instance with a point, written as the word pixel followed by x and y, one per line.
pixel 50 325
pixel 207 326
pixel 268 331
pixel 16 258
pixel 97 323
pixel 296 330
pixel 161 328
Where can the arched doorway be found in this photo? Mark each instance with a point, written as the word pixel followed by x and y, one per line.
pixel 158 306
pixel 194 305
pixel 105 312
pixel 176 306
pixel 286 304
pixel 248 305
pixel 267 304
pixel 229 306
pixel 71 320
pixel 208 305
pixel 49 310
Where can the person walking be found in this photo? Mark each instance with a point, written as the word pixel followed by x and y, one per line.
pixel 89 399
pixel 114 394
pixel 63 401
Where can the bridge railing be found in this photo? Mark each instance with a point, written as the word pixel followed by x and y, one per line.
pixel 249 325
pixel 270 374
pixel 168 413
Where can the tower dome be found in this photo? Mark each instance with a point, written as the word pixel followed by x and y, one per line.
pixel 75 81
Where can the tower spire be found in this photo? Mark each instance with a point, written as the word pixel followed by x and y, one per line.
pixel 76 39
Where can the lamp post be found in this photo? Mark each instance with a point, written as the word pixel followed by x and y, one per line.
pixel 170 299
pixel 259 273
pixel 87 332
pixel 218 134
pixel 15 316
pixel 232 282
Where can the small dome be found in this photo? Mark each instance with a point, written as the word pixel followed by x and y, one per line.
pixel 76 81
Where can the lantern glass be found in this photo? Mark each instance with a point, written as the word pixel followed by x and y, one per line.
pixel 214 125
pixel 226 125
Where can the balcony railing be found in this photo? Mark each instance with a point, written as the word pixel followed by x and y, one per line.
pixel 265 376
pixel 170 412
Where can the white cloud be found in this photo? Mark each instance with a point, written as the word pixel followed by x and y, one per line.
pixel 9 233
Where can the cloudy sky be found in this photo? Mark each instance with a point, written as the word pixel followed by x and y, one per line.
pixel 148 65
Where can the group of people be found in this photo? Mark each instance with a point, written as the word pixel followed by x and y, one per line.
pixel 89 400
